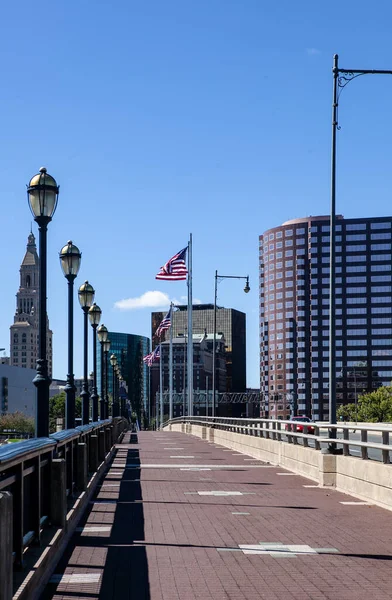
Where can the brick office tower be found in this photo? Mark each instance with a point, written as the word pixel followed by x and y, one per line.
pixel 24 333
pixel 230 323
pixel 294 312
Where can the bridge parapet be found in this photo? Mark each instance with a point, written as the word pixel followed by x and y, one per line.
pixel 324 455
pixel 44 485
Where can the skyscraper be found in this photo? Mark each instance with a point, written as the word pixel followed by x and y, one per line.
pixel 230 322
pixel 24 333
pixel 294 312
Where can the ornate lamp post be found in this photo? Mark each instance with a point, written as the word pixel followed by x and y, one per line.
pixel 42 193
pixel 86 294
pixel 94 314
pixel 70 258
pixel 246 290
pixel 102 333
pixel 113 362
pixel 117 387
pixel 106 348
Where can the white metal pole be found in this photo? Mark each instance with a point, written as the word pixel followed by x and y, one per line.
pixel 171 363
pixel 161 385
pixel 190 331
pixel 214 350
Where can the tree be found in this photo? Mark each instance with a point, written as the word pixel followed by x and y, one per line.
pixel 373 407
pixel 57 409
pixel 18 422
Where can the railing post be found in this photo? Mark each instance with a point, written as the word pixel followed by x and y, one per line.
pixel 18 516
pixel 289 427
pixel 385 453
pixel 295 439
pixel 101 445
pixel 35 503
pixel 81 467
pixel 317 444
pixel 364 450
pixel 93 460
pixel 267 430
pixel 305 439
pixel 107 439
pixel 346 448
pixel 279 428
pixel 274 430
pixel 58 508
pixel 6 546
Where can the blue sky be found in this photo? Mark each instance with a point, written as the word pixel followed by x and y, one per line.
pixel 163 118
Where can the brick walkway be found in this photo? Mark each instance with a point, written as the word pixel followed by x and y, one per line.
pixel 152 533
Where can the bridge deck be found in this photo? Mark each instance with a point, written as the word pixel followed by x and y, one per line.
pixel 177 518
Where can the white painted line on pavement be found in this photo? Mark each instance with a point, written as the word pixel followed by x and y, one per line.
pixel 76 578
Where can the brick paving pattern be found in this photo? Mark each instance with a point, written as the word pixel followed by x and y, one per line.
pixel 150 535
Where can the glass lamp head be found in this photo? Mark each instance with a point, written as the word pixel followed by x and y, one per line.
pixel 86 295
pixel 42 193
pixel 94 314
pixel 70 258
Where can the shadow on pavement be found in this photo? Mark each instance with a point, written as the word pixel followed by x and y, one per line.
pixel 125 571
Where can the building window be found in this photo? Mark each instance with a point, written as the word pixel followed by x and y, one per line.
pixel 386 225
pixel 355 226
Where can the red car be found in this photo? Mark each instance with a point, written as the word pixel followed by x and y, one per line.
pixel 300 422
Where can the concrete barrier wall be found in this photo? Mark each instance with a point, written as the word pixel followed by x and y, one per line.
pixel 368 480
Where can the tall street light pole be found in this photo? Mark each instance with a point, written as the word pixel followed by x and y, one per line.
pixel 86 294
pixel 106 348
pixel 94 314
pixel 102 333
pixel 70 258
pixel 341 77
pixel 113 362
pixel 42 194
pixel 246 290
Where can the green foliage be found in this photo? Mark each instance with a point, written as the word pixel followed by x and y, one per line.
pixel 17 421
pixel 57 409
pixel 373 407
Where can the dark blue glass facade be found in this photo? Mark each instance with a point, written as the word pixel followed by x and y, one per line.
pixel 129 350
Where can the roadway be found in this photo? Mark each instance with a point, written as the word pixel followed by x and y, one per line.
pixel 373 453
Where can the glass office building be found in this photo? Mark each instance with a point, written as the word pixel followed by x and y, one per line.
pixel 129 350
pixel 294 312
pixel 229 322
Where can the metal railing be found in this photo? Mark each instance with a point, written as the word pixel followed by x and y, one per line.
pixel 310 436
pixel 27 472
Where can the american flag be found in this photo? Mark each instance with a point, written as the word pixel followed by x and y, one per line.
pixel 175 268
pixel 165 324
pixel 152 356
pixel 147 358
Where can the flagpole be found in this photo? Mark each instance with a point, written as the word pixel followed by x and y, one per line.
pixel 161 386
pixel 171 363
pixel 190 331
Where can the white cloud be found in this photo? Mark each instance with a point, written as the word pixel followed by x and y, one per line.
pixel 313 51
pixel 153 299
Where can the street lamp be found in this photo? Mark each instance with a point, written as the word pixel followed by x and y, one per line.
pixel 94 314
pixel 102 333
pixel 113 362
pixel 86 294
pixel 70 258
pixel 246 290
pixel 42 194
pixel 341 77
pixel 106 348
